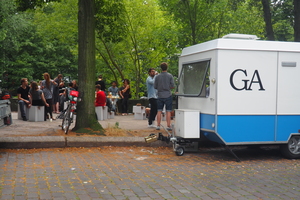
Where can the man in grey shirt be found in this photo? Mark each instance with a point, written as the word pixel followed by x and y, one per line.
pixel 164 82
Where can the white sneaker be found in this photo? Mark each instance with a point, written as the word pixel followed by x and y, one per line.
pixel 158 128
pixel 151 126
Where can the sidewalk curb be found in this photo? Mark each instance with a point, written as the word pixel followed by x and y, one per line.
pixel 30 142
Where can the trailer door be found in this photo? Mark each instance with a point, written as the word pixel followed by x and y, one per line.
pixel 288 95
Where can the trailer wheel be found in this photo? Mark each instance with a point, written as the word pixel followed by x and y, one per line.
pixel 179 151
pixel 292 148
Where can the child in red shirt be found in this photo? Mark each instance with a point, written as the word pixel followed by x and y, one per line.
pixel 100 97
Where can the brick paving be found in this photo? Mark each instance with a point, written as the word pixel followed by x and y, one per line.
pixel 146 173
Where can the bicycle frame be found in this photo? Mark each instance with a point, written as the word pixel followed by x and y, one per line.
pixel 69 112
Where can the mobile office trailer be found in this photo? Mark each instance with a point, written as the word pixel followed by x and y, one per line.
pixel 238 90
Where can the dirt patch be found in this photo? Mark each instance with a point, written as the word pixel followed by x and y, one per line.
pixel 113 151
pixel 113 132
pixel 110 132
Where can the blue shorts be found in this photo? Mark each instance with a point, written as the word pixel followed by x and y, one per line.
pixel 164 101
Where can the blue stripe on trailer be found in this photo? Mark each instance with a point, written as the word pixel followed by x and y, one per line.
pixel 249 129
pixel 246 128
pixel 206 121
pixel 287 124
pixel 213 137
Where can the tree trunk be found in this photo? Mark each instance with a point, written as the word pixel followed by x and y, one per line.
pixel 297 21
pixel 86 117
pixel 268 20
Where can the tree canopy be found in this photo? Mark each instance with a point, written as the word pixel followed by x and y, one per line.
pixel 38 36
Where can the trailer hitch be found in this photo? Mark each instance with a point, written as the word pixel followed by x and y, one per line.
pixel 154 137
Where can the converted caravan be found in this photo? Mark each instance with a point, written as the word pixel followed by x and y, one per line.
pixel 239 90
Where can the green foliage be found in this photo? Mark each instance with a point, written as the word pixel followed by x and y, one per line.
pixel 145 38
pixel 283 20
pixel 109 22
pixel 20 49
pixel 202 20
pixel 57 23
pixel 23 5
pixel 38 36
pixel 32 47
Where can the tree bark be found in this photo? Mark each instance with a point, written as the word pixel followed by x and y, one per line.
pixel 268 20
pixel 86 117
pixel 297 21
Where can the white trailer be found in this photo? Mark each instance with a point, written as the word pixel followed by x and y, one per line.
pixel 238 90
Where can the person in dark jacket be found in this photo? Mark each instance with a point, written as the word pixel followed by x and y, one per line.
pixel 124 93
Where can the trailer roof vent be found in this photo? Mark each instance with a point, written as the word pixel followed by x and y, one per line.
pixel 240 36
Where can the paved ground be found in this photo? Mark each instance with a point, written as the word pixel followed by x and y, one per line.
pixel 20 127
pixel 25 134
pixel 138 172
pixel 146 173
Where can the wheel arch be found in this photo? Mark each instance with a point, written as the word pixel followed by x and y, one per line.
pixel 291 135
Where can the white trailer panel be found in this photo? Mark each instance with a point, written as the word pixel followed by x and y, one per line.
pixel 246 82
pixel 250 92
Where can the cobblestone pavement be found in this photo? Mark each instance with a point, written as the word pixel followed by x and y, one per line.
pixel 146 173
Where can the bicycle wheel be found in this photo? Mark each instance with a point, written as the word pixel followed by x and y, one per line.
pixel 66 121
pixel 71 117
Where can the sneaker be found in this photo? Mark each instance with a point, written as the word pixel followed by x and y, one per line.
pixel 151 126
pixel 24 119
pixel 169 129
pixel 158 128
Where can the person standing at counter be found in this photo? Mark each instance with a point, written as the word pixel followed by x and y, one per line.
pixel 164 82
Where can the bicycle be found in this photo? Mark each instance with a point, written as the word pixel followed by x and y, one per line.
pixel 69 111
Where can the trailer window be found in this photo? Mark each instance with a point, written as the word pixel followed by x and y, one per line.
pixel 194 79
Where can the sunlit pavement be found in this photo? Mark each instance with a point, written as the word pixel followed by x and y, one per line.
pixel 146 173
pixel 24 128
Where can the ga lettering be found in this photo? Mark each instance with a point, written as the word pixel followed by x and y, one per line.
pixel 247 83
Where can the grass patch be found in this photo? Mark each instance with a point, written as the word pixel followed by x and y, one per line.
pixel 115 130
pixel 95 129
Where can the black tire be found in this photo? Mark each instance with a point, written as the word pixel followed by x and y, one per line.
pixel 179 151
pixel 8 120
pixel 291 150
pixel 63 120
pixel 66 121
pixel 71 118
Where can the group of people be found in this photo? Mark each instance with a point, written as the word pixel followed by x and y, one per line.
pixel 114 93
pixel 49 94
pixel 159 94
